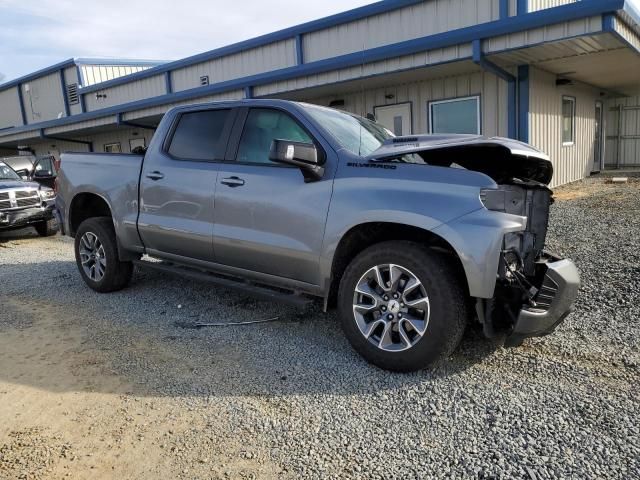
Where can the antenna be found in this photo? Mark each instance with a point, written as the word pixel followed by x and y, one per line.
pixel 364 101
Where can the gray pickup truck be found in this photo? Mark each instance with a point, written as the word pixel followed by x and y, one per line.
pixel 410 237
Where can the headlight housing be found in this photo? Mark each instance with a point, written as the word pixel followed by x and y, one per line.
pixel 47 194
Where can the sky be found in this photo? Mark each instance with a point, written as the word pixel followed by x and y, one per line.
pixel 39 33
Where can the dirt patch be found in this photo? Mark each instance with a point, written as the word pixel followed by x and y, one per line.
pixel 596 187
pixel 65 414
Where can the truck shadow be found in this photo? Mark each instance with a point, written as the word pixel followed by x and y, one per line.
pixel 10 235
pixel 58 335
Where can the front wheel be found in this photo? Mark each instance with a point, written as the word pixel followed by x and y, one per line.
pixel 47 228
pixel 401 306
pixel 97 258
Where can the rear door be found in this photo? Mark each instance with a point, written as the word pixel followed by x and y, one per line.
pixel 177 186
pixel 268 219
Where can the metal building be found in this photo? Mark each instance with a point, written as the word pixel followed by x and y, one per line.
pixel 563 75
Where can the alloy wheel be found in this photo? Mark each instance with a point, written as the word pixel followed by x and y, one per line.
pixel 391 307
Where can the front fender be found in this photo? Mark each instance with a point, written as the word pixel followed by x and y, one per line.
pixel 477 239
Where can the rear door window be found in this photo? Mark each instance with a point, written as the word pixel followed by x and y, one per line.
pixel 200 136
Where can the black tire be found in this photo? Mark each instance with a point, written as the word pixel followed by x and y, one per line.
pixel 117 274
pixel 447 299
pixel 47 228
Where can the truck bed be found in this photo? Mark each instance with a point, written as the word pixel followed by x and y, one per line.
pixel 112 176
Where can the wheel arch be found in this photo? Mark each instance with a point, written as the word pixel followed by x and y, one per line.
pixel 87 205
pixel 365 235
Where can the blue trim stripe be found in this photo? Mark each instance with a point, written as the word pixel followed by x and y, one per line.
pixel 478 58
pixel 23 112
pixel 504 9
pixel 129 62
pixel 168 83
pixel 523 103
pixel 523 7
pixel 299 50
pixel 65 98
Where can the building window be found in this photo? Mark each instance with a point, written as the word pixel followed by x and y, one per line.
pixel 458 115
pixel 112 148
pixel 568 120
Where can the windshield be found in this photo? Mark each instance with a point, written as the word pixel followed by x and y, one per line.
pixel 358 135
pixel 7 173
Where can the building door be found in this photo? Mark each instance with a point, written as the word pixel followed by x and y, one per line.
pixel 598 144
pixel 397 118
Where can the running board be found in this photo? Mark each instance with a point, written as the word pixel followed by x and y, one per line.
pixel 252 289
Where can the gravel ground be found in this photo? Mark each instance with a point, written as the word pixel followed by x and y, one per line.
pixel 290 399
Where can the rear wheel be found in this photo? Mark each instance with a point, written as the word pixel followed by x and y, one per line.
pixel 47 228
pixel 96 250
pixel 401 306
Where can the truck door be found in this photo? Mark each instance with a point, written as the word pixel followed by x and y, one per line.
pixel 268 219
pixel 177 186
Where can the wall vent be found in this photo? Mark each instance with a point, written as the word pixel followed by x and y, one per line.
pixel 204 80
pixel 72 94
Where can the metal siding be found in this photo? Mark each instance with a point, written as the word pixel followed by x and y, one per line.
pixel 10 115
pixel 121 136
pixel 162 109
pixel 44 100
pixel 95 74
pixel 418 60
pixel 545 34
pixel 250 62
pixel 492 91
pixel 420 20
pixel 628 33
pixel 128 92
pixel 630 141
pixel 535 5
pixel 571 163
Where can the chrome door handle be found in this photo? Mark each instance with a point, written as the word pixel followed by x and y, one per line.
pixel 232 182
pixel 155 176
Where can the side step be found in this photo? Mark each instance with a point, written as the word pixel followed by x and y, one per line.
pixel 244 286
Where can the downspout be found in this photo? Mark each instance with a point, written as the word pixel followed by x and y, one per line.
pixel 44 136
pixel 479 59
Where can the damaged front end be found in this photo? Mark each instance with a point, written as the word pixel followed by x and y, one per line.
pixel 534 290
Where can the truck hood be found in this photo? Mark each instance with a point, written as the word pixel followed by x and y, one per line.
pixel 502 159
pixel 11 184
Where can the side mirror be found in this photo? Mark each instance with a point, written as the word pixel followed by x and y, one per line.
pixel 305 156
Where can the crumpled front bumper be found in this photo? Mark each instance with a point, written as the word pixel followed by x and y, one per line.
pixel 553 302
pixel 11 219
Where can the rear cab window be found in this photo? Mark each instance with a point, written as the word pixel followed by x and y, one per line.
pixel 201 135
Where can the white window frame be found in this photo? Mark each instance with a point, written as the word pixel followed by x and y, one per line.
pixel 573 120
pixel 457 99
pixel 110 145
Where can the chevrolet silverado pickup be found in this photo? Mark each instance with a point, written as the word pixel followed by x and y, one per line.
pixel 24 204
pixel 410 237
